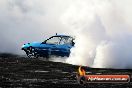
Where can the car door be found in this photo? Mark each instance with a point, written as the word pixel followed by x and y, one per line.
pixel 53 44
pixel 62 48
pixel 43 49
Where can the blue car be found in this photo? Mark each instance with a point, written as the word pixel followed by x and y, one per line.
pixel 58 45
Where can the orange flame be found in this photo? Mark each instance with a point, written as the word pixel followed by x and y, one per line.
pixel 81 71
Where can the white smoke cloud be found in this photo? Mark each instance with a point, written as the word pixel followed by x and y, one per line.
pixel 103 33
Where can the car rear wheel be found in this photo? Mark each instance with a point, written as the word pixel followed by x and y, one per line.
pixel 31 52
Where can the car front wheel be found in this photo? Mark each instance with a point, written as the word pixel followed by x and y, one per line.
pixel 31 52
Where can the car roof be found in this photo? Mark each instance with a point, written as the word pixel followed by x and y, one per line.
pixel 61 36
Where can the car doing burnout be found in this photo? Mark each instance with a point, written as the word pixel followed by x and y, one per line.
pixel 58 45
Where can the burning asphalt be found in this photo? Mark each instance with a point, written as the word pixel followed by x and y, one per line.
pixel 19 71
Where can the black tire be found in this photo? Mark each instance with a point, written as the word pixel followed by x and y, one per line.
pixel 31 52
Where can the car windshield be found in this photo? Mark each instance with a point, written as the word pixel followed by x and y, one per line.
pixel 53 40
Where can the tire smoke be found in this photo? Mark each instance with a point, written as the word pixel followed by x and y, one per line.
pixel 103 33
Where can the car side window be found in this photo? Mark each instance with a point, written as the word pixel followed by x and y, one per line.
pixel 65 40
pixel 53 40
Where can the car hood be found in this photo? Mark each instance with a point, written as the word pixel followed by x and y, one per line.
pixel 33 44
